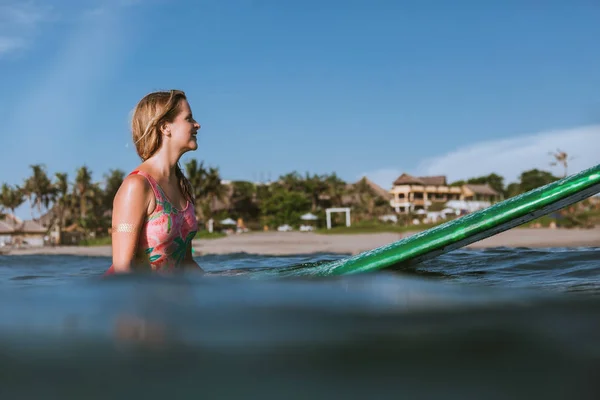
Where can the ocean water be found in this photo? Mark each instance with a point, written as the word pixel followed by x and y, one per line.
pixel 472 324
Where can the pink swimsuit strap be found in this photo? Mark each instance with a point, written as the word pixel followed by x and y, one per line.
pixel 158 193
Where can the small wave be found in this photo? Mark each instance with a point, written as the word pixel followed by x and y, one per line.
pixel 28 277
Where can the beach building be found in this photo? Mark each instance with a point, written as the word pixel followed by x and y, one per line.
pixel 15 231
pixel 412 193
pixel 472 192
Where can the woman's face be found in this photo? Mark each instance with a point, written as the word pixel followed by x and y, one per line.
pixel 184 128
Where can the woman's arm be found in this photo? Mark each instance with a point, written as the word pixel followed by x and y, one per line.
pixel 130 208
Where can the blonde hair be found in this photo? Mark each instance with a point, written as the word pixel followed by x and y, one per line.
pixel 149 114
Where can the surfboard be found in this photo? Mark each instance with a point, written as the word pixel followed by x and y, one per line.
pixel 465 230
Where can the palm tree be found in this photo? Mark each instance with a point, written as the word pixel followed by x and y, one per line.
pixel 561 158
pixel 112 183
pixel 38 189
pixel 83 189
pixel 96 217
pixel 61 188
pixel 72 204
pixel 212 190
pixel 207 188
pixel 196 173
pixel 11 198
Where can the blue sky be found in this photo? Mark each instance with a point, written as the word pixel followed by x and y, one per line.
pixel 371 88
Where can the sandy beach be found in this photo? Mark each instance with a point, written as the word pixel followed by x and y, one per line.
pixel 282 243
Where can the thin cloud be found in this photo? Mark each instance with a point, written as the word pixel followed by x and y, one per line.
pixel 20 23
pixel 58 107
pixel 51 115
pixel 110 6
pixel 510 157
pixel 506 157
pixel 23 14
pixel 9 44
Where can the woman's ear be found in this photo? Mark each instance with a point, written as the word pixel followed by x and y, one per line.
pixel 165 128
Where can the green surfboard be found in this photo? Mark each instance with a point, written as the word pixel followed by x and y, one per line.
pixel 468 229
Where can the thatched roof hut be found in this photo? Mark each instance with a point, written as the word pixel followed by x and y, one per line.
pixel 12 224
pixel 352 198
pixel 481 189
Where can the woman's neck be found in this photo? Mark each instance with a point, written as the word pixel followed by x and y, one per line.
pixel 164 164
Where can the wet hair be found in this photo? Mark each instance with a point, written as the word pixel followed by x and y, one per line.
pixel 150 113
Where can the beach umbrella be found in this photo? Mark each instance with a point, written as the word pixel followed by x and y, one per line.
pixel 228 221
pixel 309 217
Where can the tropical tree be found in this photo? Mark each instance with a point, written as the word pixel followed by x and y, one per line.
pixel 292 182
pixel 195 174
pixel 11 198
pixel 72 205
pixel 336 189
pixel 38 189
pixel 61 190
pixel 314 186
pixel 535 178
pixel 96 217
pixel 83 190
pixel 561 158
pixel 212 190
pixel 207 187
pixel 262 193
pixel 112 182
pixel 283 206
pixel 243 200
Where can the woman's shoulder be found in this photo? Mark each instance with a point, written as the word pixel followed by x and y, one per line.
pixel 134 184
pixel 135 193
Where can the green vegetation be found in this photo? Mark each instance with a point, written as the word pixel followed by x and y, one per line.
pixel 528 180
pixel 584 214
pixel 85 205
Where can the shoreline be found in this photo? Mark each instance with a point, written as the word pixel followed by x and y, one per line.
pixel 296 243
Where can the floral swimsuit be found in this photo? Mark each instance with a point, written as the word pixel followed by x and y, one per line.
pixel 167 232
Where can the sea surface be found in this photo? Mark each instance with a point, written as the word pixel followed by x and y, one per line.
pixel 488 324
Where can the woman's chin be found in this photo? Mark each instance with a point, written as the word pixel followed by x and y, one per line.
pixel 193 145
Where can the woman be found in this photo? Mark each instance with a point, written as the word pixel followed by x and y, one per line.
pixel 153 220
